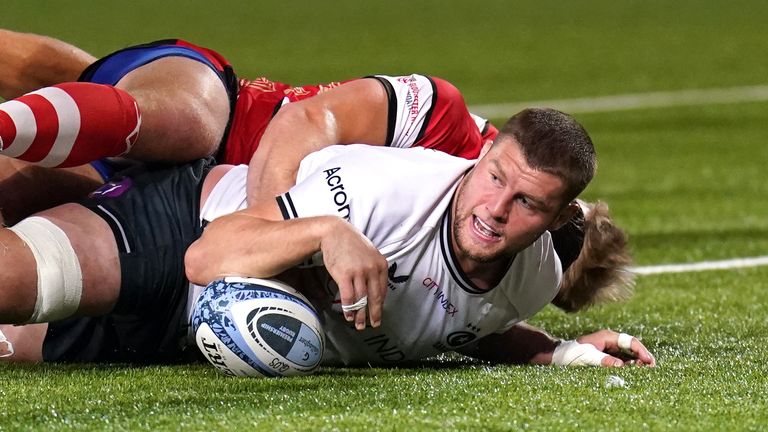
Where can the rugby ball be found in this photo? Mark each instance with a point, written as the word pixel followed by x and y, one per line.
pixel 257 327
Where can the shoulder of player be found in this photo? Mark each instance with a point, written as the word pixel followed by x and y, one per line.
pixel 541 255
pixel 386 175
pixel 368 160
pixel 533 279
pixel 447 91
pixel 442 87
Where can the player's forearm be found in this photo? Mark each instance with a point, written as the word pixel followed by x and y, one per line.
pixel 29 61
pixel 244 245
pixel 522 344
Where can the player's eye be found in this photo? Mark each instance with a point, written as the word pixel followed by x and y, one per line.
pixel 526 203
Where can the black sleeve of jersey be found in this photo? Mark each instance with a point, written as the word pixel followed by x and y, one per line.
pixel 486 126
pixel 391 113
pixel 287 208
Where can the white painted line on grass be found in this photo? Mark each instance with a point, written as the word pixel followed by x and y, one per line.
pixel 702 266
pixel 757 93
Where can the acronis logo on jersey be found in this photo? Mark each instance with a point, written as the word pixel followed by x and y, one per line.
pixel 340 198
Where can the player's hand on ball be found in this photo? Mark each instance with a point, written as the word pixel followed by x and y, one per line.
pixel 360 271
pixel 624 349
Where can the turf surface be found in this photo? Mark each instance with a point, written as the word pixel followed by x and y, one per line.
pixel 687 183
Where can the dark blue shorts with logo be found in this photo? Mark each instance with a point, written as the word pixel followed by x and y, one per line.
pixel 113 67
pixel 153 212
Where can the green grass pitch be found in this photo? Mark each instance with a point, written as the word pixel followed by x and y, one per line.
pixel 688 183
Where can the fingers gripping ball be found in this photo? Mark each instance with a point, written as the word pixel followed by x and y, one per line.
pixel 257 327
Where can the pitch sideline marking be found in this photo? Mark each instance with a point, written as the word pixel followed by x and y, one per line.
pixel 702 266
pixel 622 102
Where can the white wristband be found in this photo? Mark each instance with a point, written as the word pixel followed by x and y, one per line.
pixel 572 353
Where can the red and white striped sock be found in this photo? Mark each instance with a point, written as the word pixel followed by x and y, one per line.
pixel 69 124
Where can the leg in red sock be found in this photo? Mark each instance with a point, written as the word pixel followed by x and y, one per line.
pixel 69 124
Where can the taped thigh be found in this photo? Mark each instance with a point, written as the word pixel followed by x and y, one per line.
pixel 59 277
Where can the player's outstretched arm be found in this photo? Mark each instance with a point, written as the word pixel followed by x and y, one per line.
pixel 524 343
pixel 355 112
pixel 255 243
pixel 29 62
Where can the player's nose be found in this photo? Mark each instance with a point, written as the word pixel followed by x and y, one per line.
pixel 499 207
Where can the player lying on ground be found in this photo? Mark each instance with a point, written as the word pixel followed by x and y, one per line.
pixel 473 251
pixel 141 101
pixel 461 259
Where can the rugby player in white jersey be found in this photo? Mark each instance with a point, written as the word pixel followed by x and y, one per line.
pixel 62 265
pixel 446 254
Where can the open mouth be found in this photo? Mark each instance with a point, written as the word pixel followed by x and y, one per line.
pixel 484 230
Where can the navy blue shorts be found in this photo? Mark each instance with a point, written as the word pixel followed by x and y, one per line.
pixel 154 215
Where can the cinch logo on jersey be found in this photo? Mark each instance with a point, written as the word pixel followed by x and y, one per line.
pixel 447 306
pixel 337 187
pixel 394 280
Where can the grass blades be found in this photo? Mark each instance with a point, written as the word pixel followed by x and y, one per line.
pixel 687 183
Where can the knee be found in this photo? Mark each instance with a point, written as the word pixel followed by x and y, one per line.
pixel 184 108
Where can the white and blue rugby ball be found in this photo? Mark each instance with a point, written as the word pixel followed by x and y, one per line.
pixel 257 327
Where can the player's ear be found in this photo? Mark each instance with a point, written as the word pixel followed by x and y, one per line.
pixel 565 215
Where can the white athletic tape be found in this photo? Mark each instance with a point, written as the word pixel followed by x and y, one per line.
pixel 59 277
pixel 8 350
pixel 363 302
pixel 572 353
pixel 625 343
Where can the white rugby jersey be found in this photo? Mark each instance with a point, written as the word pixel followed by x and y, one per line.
pixel 400 199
